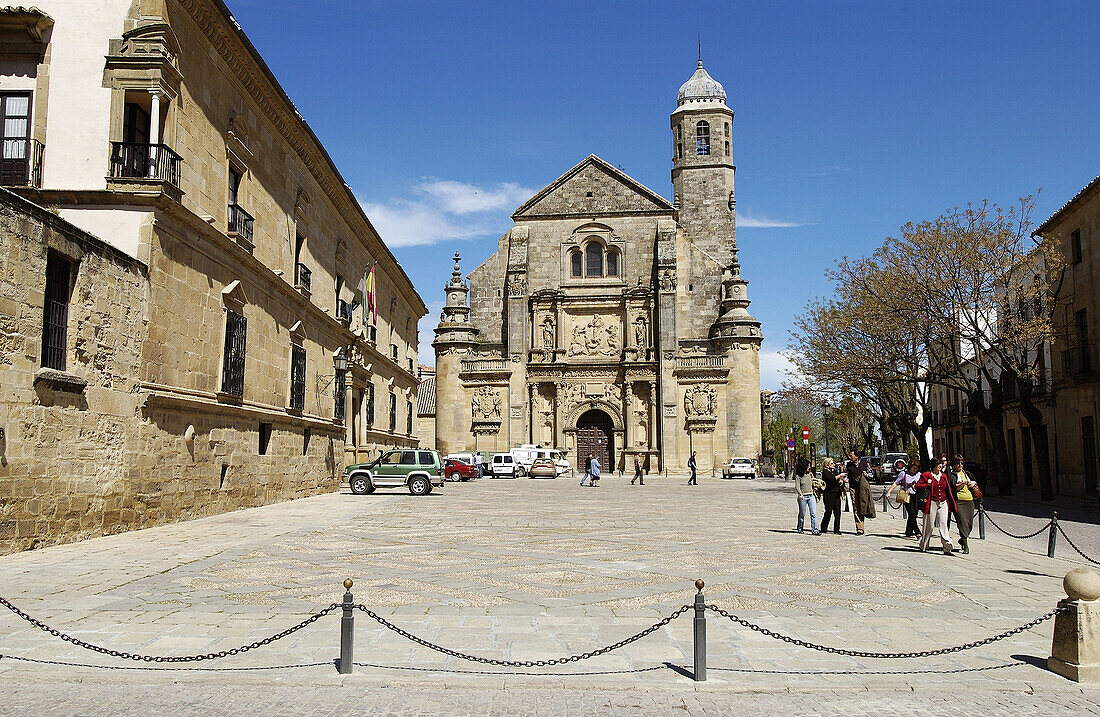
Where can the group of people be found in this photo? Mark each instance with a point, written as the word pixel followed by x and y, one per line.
pixel 936 493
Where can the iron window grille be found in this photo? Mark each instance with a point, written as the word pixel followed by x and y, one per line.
pixel 370 404
pixel 55 319
pixel 409 417
pixel 339 389
pixel 393 412
pixel 297 376
pixel 236 329
pixel 240 222
pixel 141 160
pixel 303 276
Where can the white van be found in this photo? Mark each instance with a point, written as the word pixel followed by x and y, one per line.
pixel 526 454
pixel 505 466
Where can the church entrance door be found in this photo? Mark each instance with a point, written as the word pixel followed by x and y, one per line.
pixel 595 435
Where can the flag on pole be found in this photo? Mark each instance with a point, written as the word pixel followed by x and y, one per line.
pixel 372 301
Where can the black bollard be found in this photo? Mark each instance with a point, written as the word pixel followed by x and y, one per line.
pixel 700 672
pixel 347 627
pixel 1052 540
pixel 981 521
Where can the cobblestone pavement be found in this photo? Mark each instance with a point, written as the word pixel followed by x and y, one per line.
pixel 531 569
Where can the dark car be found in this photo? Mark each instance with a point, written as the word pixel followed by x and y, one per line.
pixel 457 470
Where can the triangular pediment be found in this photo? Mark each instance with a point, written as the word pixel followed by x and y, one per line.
pixel 593 187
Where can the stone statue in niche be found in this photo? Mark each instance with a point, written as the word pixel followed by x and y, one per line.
pixel 641 337
pixel 485 404
pixel 548 333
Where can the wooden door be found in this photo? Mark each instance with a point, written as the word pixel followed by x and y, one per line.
pixel 595 436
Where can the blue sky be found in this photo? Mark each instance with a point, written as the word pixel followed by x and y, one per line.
pixel 852 118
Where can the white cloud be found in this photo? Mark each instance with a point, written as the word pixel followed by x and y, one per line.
pixel 461 198
pixel 447 210
pixel 775 368
pixel 745 219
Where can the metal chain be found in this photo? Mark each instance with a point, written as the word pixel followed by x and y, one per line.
pixel 160 658
pixel 521 663
pixel 862 653
pixel 1071 544
pixel 1013 535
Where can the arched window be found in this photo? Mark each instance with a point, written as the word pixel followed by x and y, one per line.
pixel 702 138
pixel 727 129
pixel 727 148
pixel 612 262
pixel 679 133
pixel 679 151
pixel 593 259
pixel 576 269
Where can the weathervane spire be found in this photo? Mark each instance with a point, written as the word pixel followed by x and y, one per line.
pixel 700 49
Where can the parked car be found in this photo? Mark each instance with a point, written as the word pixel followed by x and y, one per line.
pixel 417 470
pixel 526 454
pixel 456 469
pixel 739 468
pixel 467 458
pixel 892 465
pixel 543 468
pixel 504 465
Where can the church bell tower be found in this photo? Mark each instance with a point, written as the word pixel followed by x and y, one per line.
pixel 702 166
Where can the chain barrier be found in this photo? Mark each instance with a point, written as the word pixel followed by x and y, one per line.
pixel 885 655
pixel 162 658
pixel 520 663
pixel 1013 535
pixel 147 668
pixel 1072 545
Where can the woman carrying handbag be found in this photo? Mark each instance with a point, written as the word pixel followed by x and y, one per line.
pixel 905 486
pixel 966 496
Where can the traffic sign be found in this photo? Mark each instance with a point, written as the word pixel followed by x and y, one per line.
pixel 790 443
pixel 806 432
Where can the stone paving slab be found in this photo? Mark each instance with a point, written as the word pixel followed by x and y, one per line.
pixel 529 570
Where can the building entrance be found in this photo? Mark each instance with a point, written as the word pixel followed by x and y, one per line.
pixel 595 435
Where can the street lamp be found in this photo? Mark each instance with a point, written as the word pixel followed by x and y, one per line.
pixel 340 361
pixel 825 421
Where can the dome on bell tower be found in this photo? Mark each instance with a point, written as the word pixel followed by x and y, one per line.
pixel 701 88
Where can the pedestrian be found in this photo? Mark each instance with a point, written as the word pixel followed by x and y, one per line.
pixel 804 486
pixel 939 503
pixel 833 494
pixel 964 502
pixel 594 470
pixel 478 464
pixel 692 466
pixel 587 470
pixel 863 502
pixel 906 483
pixel 637 472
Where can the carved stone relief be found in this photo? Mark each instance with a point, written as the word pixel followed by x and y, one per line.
pixel 486 404
pixel 668 280
pixel 517 286
pixel 700 400
pixel 596 337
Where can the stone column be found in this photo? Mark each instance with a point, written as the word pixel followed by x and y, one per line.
pixel 532 410
pixel 559 428
pixel 628 401
pixel 652 415
pixel 154 131
pixel 1075 650
pixel 349 437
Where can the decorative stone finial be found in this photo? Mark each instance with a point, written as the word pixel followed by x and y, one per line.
pixel 1082 584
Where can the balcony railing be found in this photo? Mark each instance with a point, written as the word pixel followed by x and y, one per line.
pixel 1076 361
pixel 700 362
pixel 138 160
pixel 485 365
pixel 21 163
pixel 240 222
pixel 302 277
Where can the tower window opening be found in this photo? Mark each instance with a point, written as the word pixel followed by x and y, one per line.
pixel 727 148
pixel 612 263
pixel 679 151
pixel 727 129
pixel 575 263
pixel 702 138
pixel 593 259
pixel 679 133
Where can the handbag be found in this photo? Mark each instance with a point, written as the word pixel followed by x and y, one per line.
pixel 976 492
pixel 902 497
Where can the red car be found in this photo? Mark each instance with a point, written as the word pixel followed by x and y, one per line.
pixel 457 470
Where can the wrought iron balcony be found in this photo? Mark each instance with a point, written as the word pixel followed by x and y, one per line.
pixel 302 277
pixel 139 160
pixel 240 223
pixel 21 163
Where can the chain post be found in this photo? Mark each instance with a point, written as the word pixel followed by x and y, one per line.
pixel 347 627
pixel 1052 539
pixel 700 622
pixel 981 521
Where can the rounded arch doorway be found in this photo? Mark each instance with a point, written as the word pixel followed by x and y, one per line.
pixel 596 436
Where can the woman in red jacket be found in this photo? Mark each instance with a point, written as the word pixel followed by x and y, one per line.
pixel 938 505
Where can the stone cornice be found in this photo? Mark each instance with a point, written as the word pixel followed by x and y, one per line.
pixel 242 58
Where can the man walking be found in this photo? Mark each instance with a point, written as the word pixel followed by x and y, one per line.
pixel 637 472
pixel 587 469
pixel 479 465
pixel 594 469
pixel 694 479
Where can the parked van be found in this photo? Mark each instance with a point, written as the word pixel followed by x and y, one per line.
pixel 526 454
pixel 505 466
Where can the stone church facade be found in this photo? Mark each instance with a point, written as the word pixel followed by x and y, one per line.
pixel 609 320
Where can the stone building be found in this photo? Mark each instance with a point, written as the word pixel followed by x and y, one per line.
pixel 156 127
pixel 610 320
